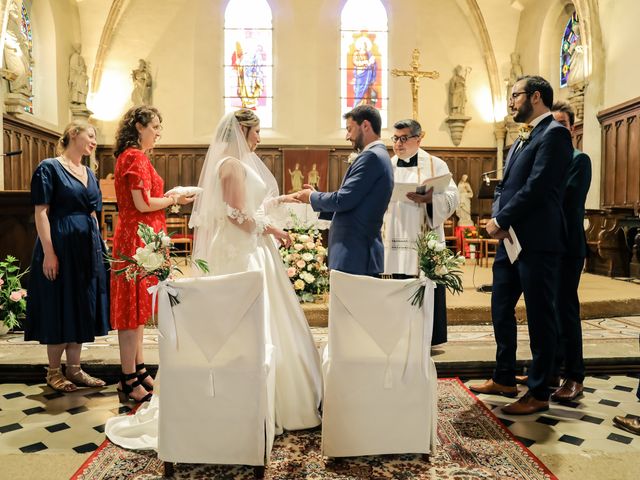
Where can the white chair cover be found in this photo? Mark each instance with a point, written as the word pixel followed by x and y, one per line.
pixel 218 383
pixel 380 392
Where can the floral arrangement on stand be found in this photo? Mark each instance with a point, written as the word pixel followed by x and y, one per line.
pixel 152 260
pixel 470 233
pixel 438 264
pixel 13 305
pixel 306 262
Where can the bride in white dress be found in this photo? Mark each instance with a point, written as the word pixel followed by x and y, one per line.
pixel 234 229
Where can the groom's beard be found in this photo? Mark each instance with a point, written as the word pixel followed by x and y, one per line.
pixel 358 143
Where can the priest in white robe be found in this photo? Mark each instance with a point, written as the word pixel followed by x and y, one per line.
pixel 405 220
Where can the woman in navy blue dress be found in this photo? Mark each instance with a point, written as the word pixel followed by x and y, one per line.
pixel 67 301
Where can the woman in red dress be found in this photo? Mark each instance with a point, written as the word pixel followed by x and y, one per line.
pixel 139 190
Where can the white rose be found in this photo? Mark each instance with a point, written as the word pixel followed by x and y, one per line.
pixel 439 247
pixel 166 241
pixel 310 245
pixel 307 257
pixel 321 249
pixel 431 244
pixel 298 246
pixel 441 270
pixel 150 261
pixel 304 238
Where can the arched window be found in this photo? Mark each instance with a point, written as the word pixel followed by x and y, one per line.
pixel 571 57
pixel 363 58
pixel 248 58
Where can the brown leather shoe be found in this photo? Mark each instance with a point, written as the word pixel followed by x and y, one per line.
pixel 526 405
pixel 522 379
pixel 629 424
pixel 569 390
pixel 492 388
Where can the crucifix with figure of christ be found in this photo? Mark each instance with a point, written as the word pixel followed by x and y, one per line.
pixel 414 77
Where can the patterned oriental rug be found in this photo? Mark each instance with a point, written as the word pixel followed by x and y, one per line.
pixel 473 445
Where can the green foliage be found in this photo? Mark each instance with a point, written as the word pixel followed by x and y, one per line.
pixel 438 264
pixel 12 296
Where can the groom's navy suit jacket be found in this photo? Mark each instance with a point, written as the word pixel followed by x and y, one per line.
pixel 529 198
pixel 356 211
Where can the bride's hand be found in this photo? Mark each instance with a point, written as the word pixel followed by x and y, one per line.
pixel 291 198
pixel 281 236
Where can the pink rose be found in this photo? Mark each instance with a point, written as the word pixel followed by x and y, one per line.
pixel 301 263
pixel 291 271
pixel 15 296
pixel 23 292
pixel 1 281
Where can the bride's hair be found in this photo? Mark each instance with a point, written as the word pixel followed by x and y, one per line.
pixel 246 118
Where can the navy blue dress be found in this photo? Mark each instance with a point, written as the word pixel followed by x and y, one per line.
pixel 75 306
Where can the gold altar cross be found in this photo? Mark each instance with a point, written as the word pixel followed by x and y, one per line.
pixel 414 77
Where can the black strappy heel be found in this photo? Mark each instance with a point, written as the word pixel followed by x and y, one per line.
pixel 124 393
pixel 141 377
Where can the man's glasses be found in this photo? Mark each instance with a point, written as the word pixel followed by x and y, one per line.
pixel 402 138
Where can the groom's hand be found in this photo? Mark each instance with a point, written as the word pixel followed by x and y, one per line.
pixel 305 195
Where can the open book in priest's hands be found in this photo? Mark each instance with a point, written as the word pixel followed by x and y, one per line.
pixel 439 184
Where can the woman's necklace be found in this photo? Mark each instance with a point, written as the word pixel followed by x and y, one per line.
pixel 80 172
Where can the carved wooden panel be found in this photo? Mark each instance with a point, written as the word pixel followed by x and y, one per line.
pixel 620 176
pixel 36 143
pixel 181 165
pixel 17 227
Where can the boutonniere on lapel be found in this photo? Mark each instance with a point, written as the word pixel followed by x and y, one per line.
pixel 524 132
pixel 352 157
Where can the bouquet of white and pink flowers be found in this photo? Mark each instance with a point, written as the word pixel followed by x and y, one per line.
pixel 152 260
pixel 306 263
pixel 437 263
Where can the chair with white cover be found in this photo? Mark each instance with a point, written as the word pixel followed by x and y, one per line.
pixel 216 399
pixel 380 382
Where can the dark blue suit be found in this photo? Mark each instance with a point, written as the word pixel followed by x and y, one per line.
pixel 355 241
pixel 529 199
pixel 568 304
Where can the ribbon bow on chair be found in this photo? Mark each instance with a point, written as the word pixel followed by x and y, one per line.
pixel 524 132
pixel 161 292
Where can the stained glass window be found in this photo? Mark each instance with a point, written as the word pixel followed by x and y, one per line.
pixel 363 58
pixel 248 58
pixel 571 51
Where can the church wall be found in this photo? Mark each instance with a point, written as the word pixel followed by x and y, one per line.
pixel 185 45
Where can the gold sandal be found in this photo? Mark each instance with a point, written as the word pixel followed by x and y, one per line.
pixel 83 378
pixel 59 382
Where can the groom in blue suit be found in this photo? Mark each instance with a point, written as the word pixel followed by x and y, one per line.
pixel 529 200
pixel 357 208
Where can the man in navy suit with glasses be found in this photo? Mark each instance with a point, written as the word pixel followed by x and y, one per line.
pixel 528 202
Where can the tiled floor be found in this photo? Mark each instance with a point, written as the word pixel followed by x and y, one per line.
pixel 575 440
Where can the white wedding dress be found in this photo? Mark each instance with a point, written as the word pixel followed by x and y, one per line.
pixel 232 240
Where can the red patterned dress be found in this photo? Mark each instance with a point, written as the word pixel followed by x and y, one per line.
pixel 130 301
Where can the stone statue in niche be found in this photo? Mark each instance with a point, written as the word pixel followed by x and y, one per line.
pixel 457 103
pixel 78 85
pixel 465 192
pixel 17 63
pixel 142 83
pixel 457 91
pixel 78 78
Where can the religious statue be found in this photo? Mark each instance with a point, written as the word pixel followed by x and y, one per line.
pixel 142 82
pixel 364 73
pixel 78 78
pixel 463 212
pixel 514 73
pixel 457 91
pixel 17 56
pixel 297 179
pixel 313 177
